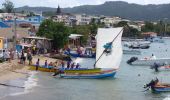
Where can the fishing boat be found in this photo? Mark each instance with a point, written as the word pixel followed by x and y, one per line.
pixel 43 68
pixel 132 52
pixel 148 61
pixel 107 64
pixel 160 68
pixel 89 53
pixel 158 87
pixel 140 45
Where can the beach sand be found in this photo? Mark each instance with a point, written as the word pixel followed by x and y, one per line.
pixel 14 70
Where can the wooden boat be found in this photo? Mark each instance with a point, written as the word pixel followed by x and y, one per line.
pixel 157 87
pixel 108 45
pixel 93 75
pixel 148 61
pixel 43 69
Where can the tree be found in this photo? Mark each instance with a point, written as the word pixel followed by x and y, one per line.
pixel 8 6
pixel 1 11
pixel 56 31
pixel 149 27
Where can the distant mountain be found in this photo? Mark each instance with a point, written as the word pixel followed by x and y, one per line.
pixel 115 8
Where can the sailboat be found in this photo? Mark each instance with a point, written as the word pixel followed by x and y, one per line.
pixel 108 56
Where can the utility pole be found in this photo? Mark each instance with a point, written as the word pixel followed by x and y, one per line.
pixel 15 32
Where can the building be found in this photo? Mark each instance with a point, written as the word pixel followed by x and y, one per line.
pixel 110 20
pixel 3 43
pixel 82 19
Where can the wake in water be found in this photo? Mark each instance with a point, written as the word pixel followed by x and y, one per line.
pixel 28 84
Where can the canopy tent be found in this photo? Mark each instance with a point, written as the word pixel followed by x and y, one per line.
pixel 75 36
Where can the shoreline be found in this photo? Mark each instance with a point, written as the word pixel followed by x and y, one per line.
pixel 14 70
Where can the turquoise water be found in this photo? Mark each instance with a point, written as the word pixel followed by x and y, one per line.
pixel 127 85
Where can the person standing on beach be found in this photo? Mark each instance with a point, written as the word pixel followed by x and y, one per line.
pixel 37 64
pixel 29 58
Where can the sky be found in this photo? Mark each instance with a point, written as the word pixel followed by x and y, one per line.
pixel 72 3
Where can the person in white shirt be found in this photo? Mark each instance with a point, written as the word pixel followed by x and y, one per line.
pixel 153 56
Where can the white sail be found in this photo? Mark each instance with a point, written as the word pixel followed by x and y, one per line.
pixel 113 59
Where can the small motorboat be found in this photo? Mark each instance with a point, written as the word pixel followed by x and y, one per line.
pixel 157 67
pixel 157 87
pixel 140 45
pixel 148 61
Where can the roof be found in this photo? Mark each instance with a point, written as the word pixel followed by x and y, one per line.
pixel 38 38
pixel 75 36
pixel 149 33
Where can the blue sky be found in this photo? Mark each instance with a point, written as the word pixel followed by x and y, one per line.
pixel 72 3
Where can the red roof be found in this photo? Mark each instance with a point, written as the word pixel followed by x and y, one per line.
pixel 149 33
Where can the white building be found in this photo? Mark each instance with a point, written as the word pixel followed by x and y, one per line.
pixel 82 19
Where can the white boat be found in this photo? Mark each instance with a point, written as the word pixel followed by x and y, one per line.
pixel 140 45
pixel 108 56
pixel 132 52
pixel 148 62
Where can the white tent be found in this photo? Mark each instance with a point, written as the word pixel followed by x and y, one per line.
pixel 75 36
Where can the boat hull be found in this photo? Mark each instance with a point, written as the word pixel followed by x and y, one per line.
pixel 100 75
pixel 43 69
pixel 161 89
pixel 150 62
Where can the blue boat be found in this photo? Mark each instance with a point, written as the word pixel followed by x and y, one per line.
pixel 157 87
pixel 81 55
pixel 89 76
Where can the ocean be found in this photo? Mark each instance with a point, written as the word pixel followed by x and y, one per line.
pixel 127 84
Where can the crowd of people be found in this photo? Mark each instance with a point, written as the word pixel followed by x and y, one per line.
pixel 58 64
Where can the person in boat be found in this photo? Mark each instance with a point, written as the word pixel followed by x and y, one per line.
pixel 37 64
pixel 68 64
pixel 156 67
pixel 62 64
pixel 46 64
pixel 50 64
pixel 77 66
pixel 153 56
pixel 72 65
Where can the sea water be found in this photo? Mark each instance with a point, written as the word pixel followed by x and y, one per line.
pixel 127 84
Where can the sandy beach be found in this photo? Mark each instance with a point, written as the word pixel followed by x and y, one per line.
pixel 14 70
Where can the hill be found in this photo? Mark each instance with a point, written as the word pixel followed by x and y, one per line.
pixel 115 8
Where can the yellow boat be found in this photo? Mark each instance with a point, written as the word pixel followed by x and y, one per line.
pixel 42 69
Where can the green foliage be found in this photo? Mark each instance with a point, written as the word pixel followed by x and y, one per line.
pixel 149 27
pixel 8 6
pixel 83 30
pixel 1 11
pixel 56 31
pixel 128 31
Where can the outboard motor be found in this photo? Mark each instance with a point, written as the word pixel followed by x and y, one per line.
pixel 132 59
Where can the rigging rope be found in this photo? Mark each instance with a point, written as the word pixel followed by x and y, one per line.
pixel 107 48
